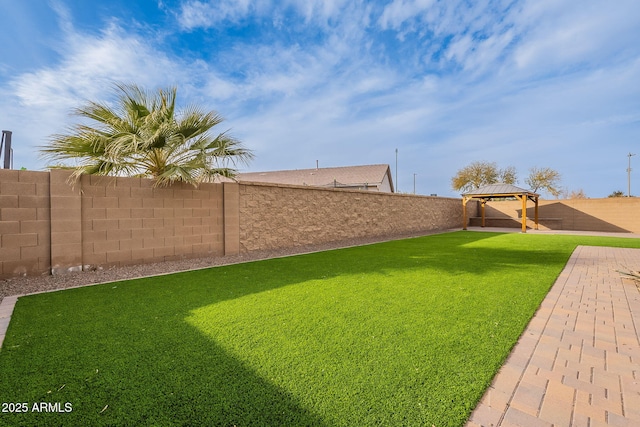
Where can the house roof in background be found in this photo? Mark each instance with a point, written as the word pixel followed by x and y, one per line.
pixel 346 176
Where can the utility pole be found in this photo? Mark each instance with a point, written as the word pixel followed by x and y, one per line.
pixel 629 175
pixel 414 183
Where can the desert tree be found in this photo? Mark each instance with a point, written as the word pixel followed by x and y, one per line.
pixel 545 179
pixel 480 173
pixel 577 194
pixel 508 175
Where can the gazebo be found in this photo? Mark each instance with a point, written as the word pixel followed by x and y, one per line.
pixel 499 191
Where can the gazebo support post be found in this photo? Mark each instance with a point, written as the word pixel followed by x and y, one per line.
pixel 524 213
pixel 464 213
pixel 483 202
pixel 536 211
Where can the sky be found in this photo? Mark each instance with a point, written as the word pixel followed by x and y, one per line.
pixel 524 83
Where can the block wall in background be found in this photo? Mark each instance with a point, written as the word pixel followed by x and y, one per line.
pixel 277 216
pixel 615 214
pixel 49 225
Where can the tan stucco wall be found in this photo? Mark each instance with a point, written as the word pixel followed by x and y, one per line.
pixel 128 221
pixel 616 214
pixel 276 216
pixel 49 226
pixel 25 231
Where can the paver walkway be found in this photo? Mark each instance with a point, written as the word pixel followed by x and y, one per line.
pixel 578 361
pixel 6 309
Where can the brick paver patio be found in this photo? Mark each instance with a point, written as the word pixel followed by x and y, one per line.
pixel 578 361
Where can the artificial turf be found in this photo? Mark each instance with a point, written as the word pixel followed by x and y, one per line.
pixel 406 332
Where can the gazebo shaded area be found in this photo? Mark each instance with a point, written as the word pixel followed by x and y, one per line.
pixel 500 191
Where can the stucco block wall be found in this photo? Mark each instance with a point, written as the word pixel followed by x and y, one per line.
pixel 65 223
pixel 129 221
pixel 616 214
pixel 231 218
pixel 49 225
pixel 276 216
pixel 25 233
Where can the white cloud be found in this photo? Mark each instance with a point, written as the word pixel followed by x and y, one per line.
pixel 325 13
pixel 194 14
pixel 557 35
pixel 399 12
pixel 88 64
pixel 528 83
pixel 472 36
pixel 320 10
pixel 37 104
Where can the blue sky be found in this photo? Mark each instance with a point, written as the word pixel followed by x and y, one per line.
pixel 532 83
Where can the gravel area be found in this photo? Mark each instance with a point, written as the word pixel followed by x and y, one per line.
pixel 35 284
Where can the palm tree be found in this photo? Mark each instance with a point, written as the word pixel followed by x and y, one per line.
pixel 144 135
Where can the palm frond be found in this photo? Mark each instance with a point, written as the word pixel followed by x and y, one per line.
pixel 144 134
pixel 631 274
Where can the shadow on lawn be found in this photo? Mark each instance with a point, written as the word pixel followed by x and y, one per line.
pixel 132 368
pixel 153 368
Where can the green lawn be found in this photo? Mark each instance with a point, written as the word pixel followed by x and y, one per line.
pixel 408 332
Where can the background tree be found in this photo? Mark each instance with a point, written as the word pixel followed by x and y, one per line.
pixel 577 194
pixel 545 179
pixel 145 135
pixel 565 193
pixel 616 194
pixel 478 174
pixel 508 175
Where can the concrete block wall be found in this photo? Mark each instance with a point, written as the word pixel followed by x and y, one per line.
pixel 65 223
pixel 129 221
pixel 276 216
pixel 615 214
pixel 25 233
pixel 231 218
pixel 51 226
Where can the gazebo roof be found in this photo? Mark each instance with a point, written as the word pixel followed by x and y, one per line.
pixel 499 190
